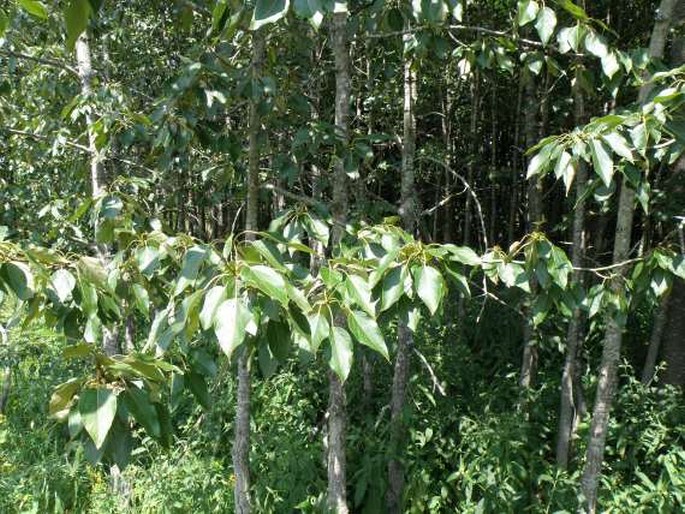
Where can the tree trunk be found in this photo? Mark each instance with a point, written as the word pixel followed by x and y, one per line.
pixel 530 351
pixel 568 412
pixel 241 444
pixel 337 413
pixel 613 337
pixel 110 345
pixel 660 318
pixel 674 342
pixel 6 387
pixel 408 206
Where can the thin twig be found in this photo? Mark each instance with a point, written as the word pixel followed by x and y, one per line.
pixel 436 382
pixel 41 60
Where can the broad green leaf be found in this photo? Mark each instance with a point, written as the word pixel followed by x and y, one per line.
pixel 575 10
pixel 392 287
pixel 197 385
pixel 62 396
pixel 34 8
pixel 610 64
pixel 97 408
pixel 596 44
pixel 147 259
pixel 20 279
pixel 138 403
pixel 191 266
pixel 91 270
pixel 74 423
pixel 267 280
pixel 76 19
pixel 4 22
pixel 311 10
pixel 62 283
pixel 270 254
pixel 430 286
pixel 545 24
pixel 432 11
pixel 77 351
pixel 268 11
pixel 230 322
pixel 341 352
pixel 212 300
pixel 540 161
pixel 142 299
pixel 360 292
pixel 527 11
pixel 639 136
pixel 365 330
pixel 619 145
pixel 316 228
pixel 601 160
pixel 319 329
pixel 565 169
pixel 463 254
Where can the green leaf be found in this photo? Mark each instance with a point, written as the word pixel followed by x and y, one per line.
pixel 76 17
pixel 97 408
pixel 463 254
pixel 596 44
pixel 34 8
pixel 392 287
pixel 341 352
pixel 540 161
pixel 198 386
pixel 270 254
pixel 91 270
pixel 4 22
pixel 545 24
pixel 575 10
pixel 230 322
pixel 565 169
pixel 191 266
pixel 20 279
pixel 430 286
pixel 268 281
pixel 601 160
pixel 360 292
pixel 365 330
pixel 62 396
pixel 212 300
pixel 610 64
pixel 142 299
pixel 619 145
pixel 268 11
pixel 62 283
pixel 527 11
pixel 319 329
pixel 139 405
pixel 147 259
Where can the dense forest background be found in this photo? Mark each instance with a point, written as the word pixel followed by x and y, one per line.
pixel 325 256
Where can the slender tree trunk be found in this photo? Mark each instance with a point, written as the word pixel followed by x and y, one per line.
pixel 337 413
pixel 110 345
pixel 614 328
pixel 6 387
pixel 241 444
pixel 513 206
pixel 660 318
pixel 568 412
pixel 530 351
pixel 408 206
pixel 674 342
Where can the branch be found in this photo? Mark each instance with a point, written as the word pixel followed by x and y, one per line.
pixel 41 60
pixel 77 146
pixel 436 383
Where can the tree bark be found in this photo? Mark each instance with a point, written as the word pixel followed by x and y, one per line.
pixel 241 443
pixel 569 412
pixel 530 351
pixel 408 207
pixel 614 328
pixel 674 342
pixel 6 387
pixel 110 344
pixel 337 413
pixel 660 318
